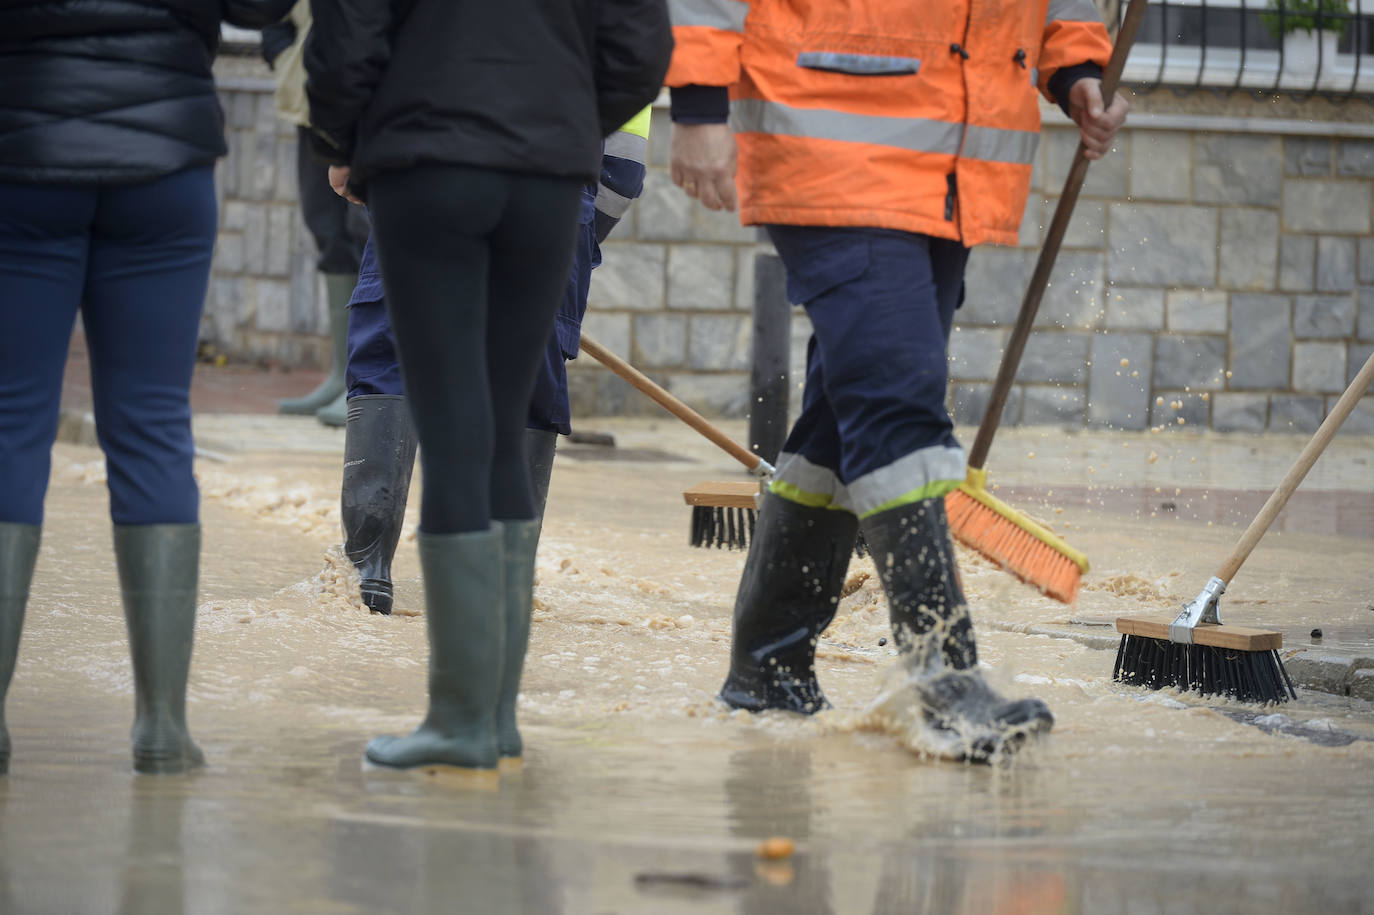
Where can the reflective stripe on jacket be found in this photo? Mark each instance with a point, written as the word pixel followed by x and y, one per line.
pixel 922 117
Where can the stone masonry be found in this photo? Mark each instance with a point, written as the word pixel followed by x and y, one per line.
pixel 1217 274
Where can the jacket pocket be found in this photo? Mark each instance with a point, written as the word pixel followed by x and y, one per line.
pixel 858 64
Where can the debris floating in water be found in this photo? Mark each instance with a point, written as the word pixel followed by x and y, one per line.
pixel 775 848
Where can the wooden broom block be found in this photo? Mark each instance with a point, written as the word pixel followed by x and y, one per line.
pixel 723 495
pixel 1238 638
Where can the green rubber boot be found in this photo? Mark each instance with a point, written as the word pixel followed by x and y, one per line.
pixel 522 541
pixel 335 413
pixel 159 567
pixel 338 290
pixel 464 609
pixel 18 551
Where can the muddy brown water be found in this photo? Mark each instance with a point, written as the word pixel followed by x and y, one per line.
pixel 640 793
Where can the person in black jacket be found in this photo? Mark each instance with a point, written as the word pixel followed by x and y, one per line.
pixel 471 129
pixel 109 130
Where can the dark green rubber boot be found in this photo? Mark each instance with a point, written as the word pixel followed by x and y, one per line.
pixel 931 625
pixel 787 595
pixel 18 552
pixel 159 567
pixel 338 290
pixel 522 541
pixel 379 455
pixel 335 413
pixel 464 613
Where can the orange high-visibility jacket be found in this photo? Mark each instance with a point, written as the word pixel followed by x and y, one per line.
pixel 920 115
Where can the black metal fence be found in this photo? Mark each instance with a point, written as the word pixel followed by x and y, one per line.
pixel 1299 47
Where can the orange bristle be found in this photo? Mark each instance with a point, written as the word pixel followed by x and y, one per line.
pixel 1014 549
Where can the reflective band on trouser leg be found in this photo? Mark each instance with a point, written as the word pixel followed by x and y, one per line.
pixel 926 474
pixel 799 480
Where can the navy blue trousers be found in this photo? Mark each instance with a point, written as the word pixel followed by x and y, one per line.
pixel 135 261
pixel 873 431
pixel 373 367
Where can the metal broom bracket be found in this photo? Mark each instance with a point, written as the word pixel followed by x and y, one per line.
pixel 1202 609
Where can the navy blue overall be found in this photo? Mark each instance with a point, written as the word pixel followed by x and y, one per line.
pixel 873 433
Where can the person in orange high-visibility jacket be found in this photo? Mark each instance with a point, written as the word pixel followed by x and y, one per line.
pixel 877 140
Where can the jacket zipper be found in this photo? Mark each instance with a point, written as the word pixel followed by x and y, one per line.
pixel 951 180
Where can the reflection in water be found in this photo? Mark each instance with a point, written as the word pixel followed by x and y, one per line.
pixel 6 896
pixel 152 879
pixel 430 853
pixel 769 792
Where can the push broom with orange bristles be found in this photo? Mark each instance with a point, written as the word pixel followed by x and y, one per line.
pixel 977 518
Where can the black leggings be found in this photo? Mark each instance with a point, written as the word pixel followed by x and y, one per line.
pixel 474 262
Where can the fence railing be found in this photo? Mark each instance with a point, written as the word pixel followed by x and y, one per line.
pixel 1299 47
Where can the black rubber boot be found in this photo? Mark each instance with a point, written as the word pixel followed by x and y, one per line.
pixel 464 613
pixel 914 556
pixel 379 455
pixel 540 445
pixel 18 552
pixel 338 289
pixel 787 595
pixel 159 566
pixel 522 541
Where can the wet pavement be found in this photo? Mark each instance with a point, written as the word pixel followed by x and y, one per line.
pixel 639 792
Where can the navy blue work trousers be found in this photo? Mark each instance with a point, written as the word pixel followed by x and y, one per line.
pixel 873 429
pixel 135 261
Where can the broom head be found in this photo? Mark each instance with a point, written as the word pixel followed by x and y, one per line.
pixel 1022 546
pixel 723 516
pixel 1231 661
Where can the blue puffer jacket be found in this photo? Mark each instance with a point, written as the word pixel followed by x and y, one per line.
pixel 113 91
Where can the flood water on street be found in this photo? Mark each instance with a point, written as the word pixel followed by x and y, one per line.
pixel 639 791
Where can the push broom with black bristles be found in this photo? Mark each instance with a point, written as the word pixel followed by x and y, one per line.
pixel 1194 651
pixel 723 514
pixel 977 518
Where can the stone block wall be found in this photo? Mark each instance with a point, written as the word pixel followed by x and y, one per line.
pixel 1219 273
pixel 266 300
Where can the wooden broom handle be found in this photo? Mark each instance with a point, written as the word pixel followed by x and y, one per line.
pixel 1320 439
pixel 670 403
pixel 1063 211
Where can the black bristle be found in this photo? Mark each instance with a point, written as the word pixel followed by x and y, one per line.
pixel 1247 676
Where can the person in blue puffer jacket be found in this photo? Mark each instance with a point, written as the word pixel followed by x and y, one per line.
pixel 109 131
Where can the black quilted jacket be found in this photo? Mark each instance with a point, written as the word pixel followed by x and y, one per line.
pixel 113 91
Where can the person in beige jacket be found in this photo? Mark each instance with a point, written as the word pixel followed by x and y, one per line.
pixel 339 230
